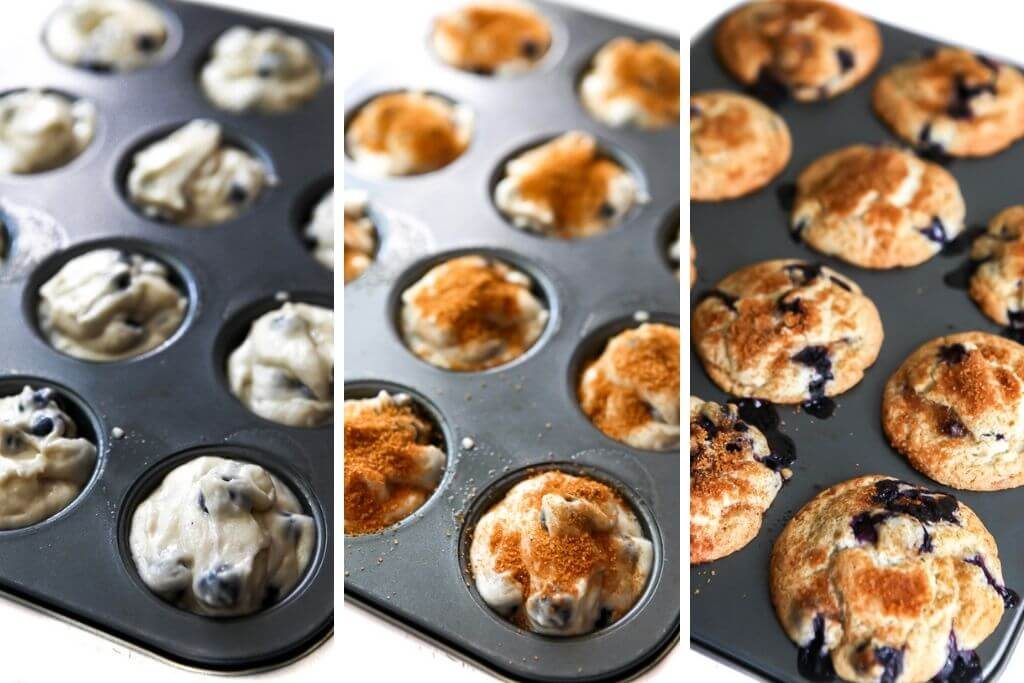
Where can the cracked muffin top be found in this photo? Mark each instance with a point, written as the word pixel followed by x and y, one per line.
pixel 953 102
pixel 880 580
pixel 786 331
pixel 955 409
pixel 806 49
pixel 877 207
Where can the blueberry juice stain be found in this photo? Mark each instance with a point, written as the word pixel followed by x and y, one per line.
pixel 765 417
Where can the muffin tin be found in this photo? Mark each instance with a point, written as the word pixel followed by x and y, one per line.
pixel 731 616
pixel 523 416
pixel 172 403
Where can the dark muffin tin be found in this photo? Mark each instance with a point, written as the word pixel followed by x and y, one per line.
pixel 523 415
pixel 731 616
pixel 173 403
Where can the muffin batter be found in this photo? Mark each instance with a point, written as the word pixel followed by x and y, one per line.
pixel 267 70
pixel 566 188
pixel 499 38
pixel 193 178
pixel 392 461
pixel 221 538
pixel 360 235
pixel 107 35
pixel 560 555
pixel 284 370
pixel 320 230
pixel 44 464
pixel 109 304
pixel 471 313
pixel 41 130
pixel 633 83
pixel 631 391
pixel 406 133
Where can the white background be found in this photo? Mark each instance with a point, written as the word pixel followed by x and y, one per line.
pixel 36 648
pixel 361 46
pixel 988 25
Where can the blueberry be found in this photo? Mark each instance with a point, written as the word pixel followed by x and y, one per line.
pixel 269 64
pixel 923 505
pixel 935 231
pixel 237 194
pixel 42 397
pixel 95 66
pixel 926 541
pixel 891 660
pixel 765 417
pixel 145 43
pixel 1016 319
pixel 42 426
pixel 219 587
pixel 962 666
pixel 606 210
pixel 122 281
pixel 709 427
pixel 845 58
pixel 930 149
pixel 954 428
pixel 12 443
pixel 794 306
pixel 544 521
pixel 816 357
pixel 482 70
pixel 786 194
pixel 555 612
pixel 740 426
pixel 813 659
pixel 134 325
pixel 694 111
pixel 803 272
pixel 960 100
pixel 202 503
pixel 769 88
pixel 953 354
pixel 778 461
pixel 865 526
pixel 733 447
pixel 529 49
pixel 1009 596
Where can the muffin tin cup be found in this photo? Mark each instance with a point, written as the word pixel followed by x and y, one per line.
pixel 518 416
pixel 173 400
pixel 731 616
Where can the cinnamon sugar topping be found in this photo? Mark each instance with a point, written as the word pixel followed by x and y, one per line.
pixel 392 463
pixel 555 539
pixel 634 82
pixel 631 391
pixel 492 38
pixel 471 313
pixel 408 133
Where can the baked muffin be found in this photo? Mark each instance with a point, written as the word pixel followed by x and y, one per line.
pixel 393 461
pixel 631 391
pixel 566 188
pixel 807 49
pixel 787 331
pixel 737 145
pixel 360 235
pixel 997 285
pixel 882 580
pixel 954 408
pixel 632 83
pixel 408 133
pixel 471 313
pixel 560 555
pixel 877 207
pixel 953 102
pixel 734 477
pixel 499 38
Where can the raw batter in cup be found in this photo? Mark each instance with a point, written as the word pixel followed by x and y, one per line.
pixel 566 188
pixel 41 130
pixel 320 231
pixel 360 235
pixel 631 391
pixel 109 304
pixel 267 71
pixel 221 538
pixel 471 313
pixel 392 461
pixel 284 370
pixel 635 84
pixel 492 38
pixel 107 35
pixel 407 133
pixel 44 464
pixel 560 555
pixel 193 178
